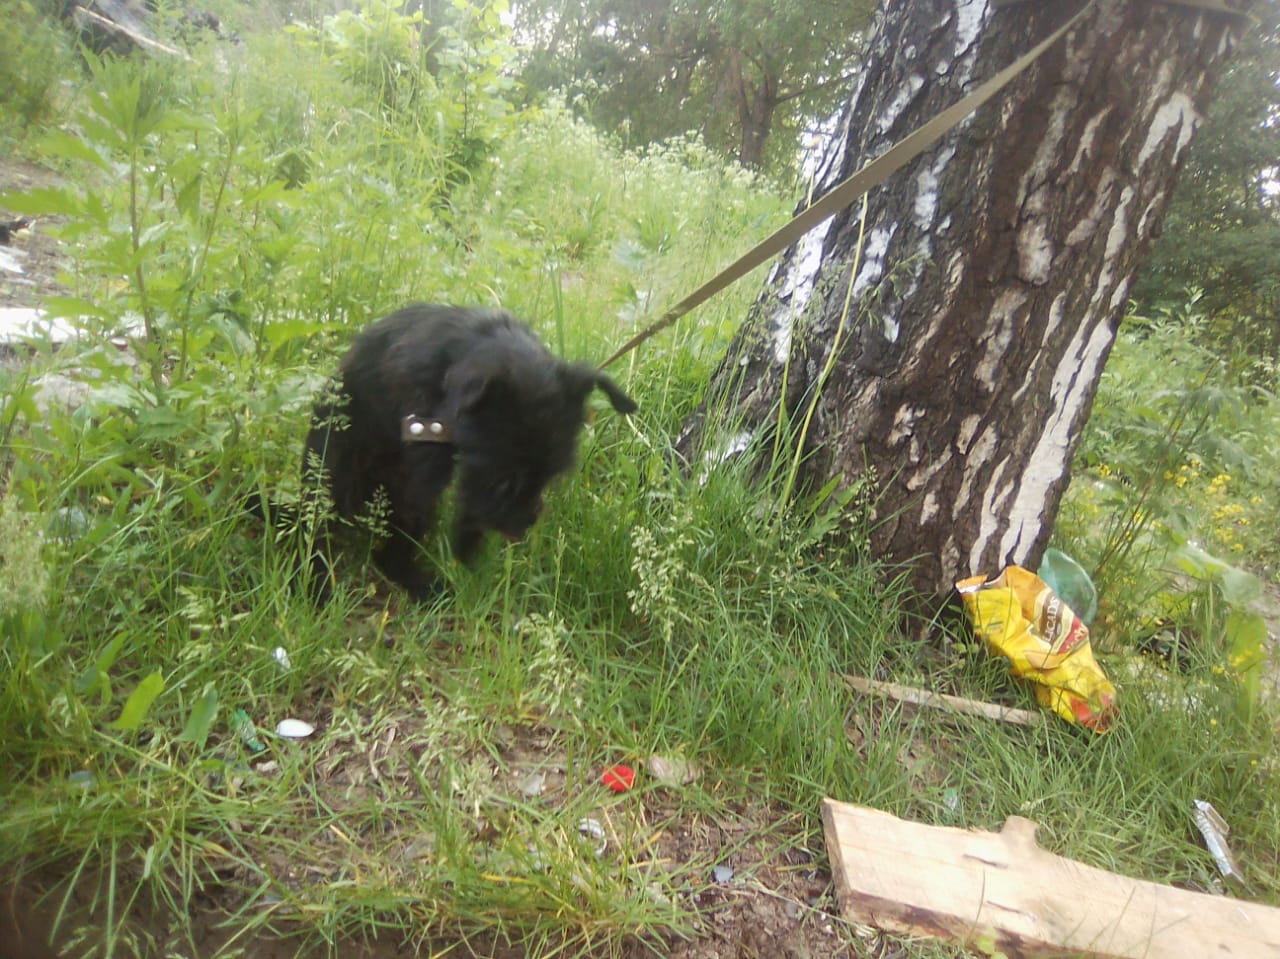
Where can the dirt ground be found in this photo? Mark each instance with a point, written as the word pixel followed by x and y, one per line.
pixel 779 905
pixel 782 912
pixel 32 251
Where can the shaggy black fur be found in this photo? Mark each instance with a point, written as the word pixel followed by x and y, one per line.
pixel 507 410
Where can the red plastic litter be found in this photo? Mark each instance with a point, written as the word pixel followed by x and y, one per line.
pixel 619 778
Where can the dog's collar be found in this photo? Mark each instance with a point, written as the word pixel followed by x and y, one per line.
pixel 420 429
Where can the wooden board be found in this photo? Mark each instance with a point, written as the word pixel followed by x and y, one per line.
pixel 969 886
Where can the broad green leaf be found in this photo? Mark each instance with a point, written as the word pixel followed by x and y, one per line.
pixel 201 719
pixel 1196 562
pixel 188 201
pixel 74 307
pixel 273 191
pixel 155 234
pixel 1246 635
pixel 70 147
pixel 173 119
pixel 161 423
pixel 96 674
pixel 1239 587
pixel 43 201
pixel 285 331
pixel 139 703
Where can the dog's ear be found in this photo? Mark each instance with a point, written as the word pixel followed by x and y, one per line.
pixel 581 378
pixel 468 389
pixel 469 393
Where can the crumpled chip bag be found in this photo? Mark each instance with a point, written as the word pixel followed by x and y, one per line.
pixel 1021 618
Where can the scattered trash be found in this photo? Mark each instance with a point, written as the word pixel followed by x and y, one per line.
pixel 82 778
pixel 1067 578
pixel 533 785
pixel 951 799
pixel 18 323
pixel 619 778
pixel 591 829
pixel 654 891
pixel 11 261
pixel 294 729
pixel 673 770
pixel 1045 641
pixel 722 874
pixel 244 728
pixel 9 227
pixel 424 847
pixel 68 524
pixel 1215 831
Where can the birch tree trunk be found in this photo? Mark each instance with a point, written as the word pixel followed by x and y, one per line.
pixel 993 274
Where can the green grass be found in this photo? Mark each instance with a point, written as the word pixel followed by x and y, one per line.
pixel 261 211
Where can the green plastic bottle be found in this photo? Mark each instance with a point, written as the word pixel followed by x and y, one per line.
pixel 1072 584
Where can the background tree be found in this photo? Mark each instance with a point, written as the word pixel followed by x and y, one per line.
pixel 1222 233
pixel 955 351
pixel 739 72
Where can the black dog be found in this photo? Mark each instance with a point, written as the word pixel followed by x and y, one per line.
pixel 433 389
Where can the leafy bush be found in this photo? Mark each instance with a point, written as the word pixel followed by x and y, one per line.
pixel 35 58
pixel 1174 494
pixel 444 83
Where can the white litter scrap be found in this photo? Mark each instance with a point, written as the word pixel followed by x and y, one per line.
pixel 1215 831
pixel 533 785
pixel 294 729
pixel 592 831
pixel 11 261
pixel 673 770
pixel 19 323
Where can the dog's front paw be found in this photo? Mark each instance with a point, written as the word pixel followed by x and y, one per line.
pixel 421 587
pixel 466 543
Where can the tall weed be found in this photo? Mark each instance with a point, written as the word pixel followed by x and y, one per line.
pixel 35 59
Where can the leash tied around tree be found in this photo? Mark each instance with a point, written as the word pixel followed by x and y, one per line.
pixel 874 174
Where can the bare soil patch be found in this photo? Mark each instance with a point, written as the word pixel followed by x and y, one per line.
pixel 752 886
pixel 37 255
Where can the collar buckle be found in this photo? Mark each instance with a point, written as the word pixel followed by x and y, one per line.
pixel 420 429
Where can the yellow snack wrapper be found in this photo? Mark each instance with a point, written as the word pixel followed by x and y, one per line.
pixel 1022 619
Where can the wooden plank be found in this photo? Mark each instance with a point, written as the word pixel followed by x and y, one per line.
pixel 954 704
pixel 969 886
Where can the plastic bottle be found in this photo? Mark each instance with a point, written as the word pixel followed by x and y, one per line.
pixel 1068 579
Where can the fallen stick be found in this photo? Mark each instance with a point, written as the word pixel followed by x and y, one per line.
pixel 108 25
pixel 953 704
pixel 1000 890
